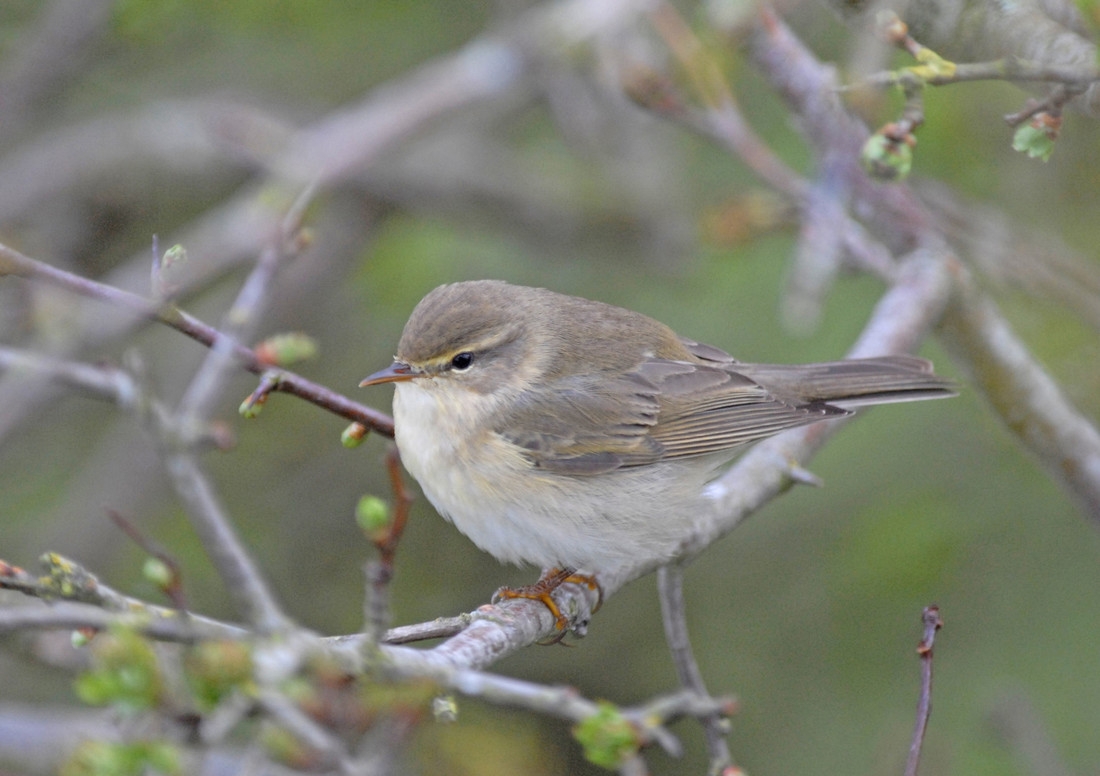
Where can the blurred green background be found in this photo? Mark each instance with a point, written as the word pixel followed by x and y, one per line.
pixel 809 613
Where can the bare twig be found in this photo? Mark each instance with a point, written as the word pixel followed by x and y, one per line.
pixel 242 318
pixel 238 570
pixel 648 719
pixel 173 586
pixel 930 617
pixel 379 572
pixel 1007 69
pixel 241 576
pixel 236 566
pixel 170 625
pixel 329 749
pixel 402 500
pixel 65 580
pixel 102 382
pixel 1051 105
pixel 14 263
pixel 670 589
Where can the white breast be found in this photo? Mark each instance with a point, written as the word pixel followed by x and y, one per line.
pixel 520 514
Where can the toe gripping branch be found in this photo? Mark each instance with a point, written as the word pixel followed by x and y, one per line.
pixel 543 591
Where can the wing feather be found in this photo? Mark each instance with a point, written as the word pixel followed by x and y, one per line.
pixel 664 409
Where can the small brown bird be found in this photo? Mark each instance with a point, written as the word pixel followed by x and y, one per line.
pixel 572 434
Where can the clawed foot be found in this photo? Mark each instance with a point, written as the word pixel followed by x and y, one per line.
pixel 543 590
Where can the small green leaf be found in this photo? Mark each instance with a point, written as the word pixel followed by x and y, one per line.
pixel 886 159
pixel 214 669
pixel 607 736
pixel 139 758
pixel 1036 139
pixel 124 673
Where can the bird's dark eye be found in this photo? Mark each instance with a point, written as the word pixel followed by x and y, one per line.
pixel 463 361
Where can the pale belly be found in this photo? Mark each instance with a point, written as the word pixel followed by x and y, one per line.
pixel 520 514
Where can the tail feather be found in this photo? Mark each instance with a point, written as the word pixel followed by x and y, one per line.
pixel 852 383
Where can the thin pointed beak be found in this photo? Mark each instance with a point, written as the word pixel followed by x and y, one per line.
pixel 397 372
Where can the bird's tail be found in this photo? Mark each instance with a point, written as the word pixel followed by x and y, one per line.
pixel 852 383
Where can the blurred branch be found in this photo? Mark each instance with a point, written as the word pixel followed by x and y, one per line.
pixel 439 628
pixel 169 578
pixel 1021 730
pixel 1011 254
pixel 102 382
pixel 155 622
pixel 49 54
pixel 242 318
pixel 1027 399
pixel 1030 40
pixel 239 572
pixel 670 589
pixel 240 575
pixel 66 580
pixel 14 263
pixel 648 719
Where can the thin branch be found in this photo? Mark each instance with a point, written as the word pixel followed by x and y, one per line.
pixel 670 589
pixel 173 586
pixel 720 120
pixel 281 709
pixel 65 580
pixel 379 572
pixel 171 625
pixel 239 572
pixel 810 91
pixel 930 617
pixel 50 53
pixel 1021 392
pixel 242 318
pixel 99 381
pixel 1007 69
pixel 649 719
pixel 1052 105
pixel 14 263
pixel 1026 736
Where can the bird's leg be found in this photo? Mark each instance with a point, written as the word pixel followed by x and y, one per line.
pixel 543 590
